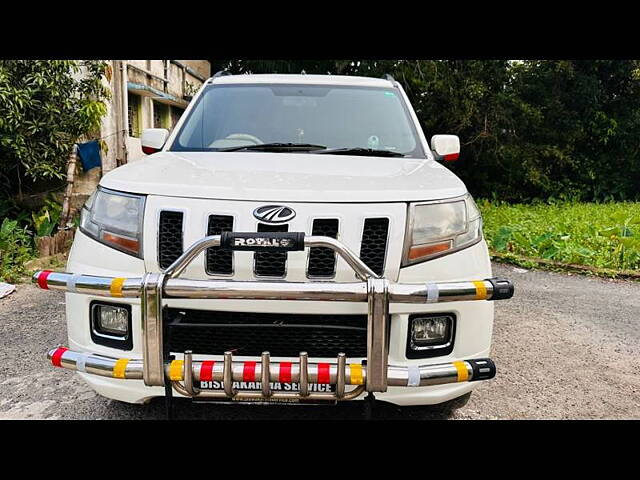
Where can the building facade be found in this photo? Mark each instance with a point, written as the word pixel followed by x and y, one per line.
pixel 144 94
pixel 147 94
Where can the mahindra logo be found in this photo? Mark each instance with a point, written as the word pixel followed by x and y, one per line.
pixel 274 213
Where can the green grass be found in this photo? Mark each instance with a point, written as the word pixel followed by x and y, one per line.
pixel 604 236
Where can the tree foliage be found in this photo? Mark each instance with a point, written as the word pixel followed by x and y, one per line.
pixel 45 106
pixel 529 129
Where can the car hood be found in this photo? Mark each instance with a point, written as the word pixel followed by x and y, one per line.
pixel 285 177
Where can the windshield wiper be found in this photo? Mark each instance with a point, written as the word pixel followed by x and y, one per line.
pixel 360 151
pixel 276 147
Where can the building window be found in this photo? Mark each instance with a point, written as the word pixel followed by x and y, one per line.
pixel 176 113
pixel 161 116
pixel 134 115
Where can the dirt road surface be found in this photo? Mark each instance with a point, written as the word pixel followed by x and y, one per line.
pixel 566 347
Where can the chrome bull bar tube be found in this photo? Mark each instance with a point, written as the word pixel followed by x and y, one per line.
pixel 376 291
pixel 432 292
pixel 184 373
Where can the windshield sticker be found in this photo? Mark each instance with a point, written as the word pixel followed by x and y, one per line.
pixel 373 142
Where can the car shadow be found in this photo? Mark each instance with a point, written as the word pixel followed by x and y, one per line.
pixel 185 409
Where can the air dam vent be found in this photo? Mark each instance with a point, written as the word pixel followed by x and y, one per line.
pixel 169 237
pixel 283 335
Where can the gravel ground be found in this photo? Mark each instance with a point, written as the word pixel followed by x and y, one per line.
pixel 566 346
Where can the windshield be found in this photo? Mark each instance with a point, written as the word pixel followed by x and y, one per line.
pixel 228 116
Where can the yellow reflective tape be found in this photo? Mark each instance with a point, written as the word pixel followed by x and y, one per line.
pixel 120 367
pixel 116 286
pixel 481 290
pixel 175 370
pixel 463 373
pixel 355 372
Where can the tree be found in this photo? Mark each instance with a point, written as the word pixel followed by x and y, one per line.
pixel 45 107
pixel 574 132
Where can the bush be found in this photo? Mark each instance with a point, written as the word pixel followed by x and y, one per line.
pixel 45 221
pixel 16 248
pixel 45 106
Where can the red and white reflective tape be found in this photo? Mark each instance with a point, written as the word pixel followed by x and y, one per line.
pixel 324 373
pixel 206 371
pixel 249 372
pixel 56 358
pixel 42 279
pixel 284 375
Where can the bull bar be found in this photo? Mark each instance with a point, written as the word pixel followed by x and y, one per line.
pixel 157 368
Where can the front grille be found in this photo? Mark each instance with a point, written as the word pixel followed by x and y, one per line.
pixel 169 237
pixel 270 264
pixel 319 262
pixel 282 335
pixel 374 243
pixel 322 261
pixel 219 261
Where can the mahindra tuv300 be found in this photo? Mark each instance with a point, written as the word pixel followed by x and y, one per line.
pixel 294 239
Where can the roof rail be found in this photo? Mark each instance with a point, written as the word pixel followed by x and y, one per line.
pixel 222 73
pixel 389 77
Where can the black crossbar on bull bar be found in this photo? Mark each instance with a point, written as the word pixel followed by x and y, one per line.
pixel 376 291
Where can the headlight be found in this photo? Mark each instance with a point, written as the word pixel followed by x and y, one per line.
pixel 115 219
pixel 441 227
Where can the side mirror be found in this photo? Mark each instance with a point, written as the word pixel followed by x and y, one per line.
pixel 445 147
pixel 153 139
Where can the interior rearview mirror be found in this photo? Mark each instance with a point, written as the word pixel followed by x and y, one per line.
pixel 153 139
pixel 445 147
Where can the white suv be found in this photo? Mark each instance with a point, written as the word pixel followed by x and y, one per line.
pixel 294 239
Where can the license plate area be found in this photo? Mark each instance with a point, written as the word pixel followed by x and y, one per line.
pixel 276 387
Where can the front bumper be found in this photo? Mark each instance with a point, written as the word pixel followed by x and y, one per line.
pixel 155 367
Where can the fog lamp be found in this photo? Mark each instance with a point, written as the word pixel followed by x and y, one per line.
pixel 111 325
pixel 430 335
pixel 112 320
